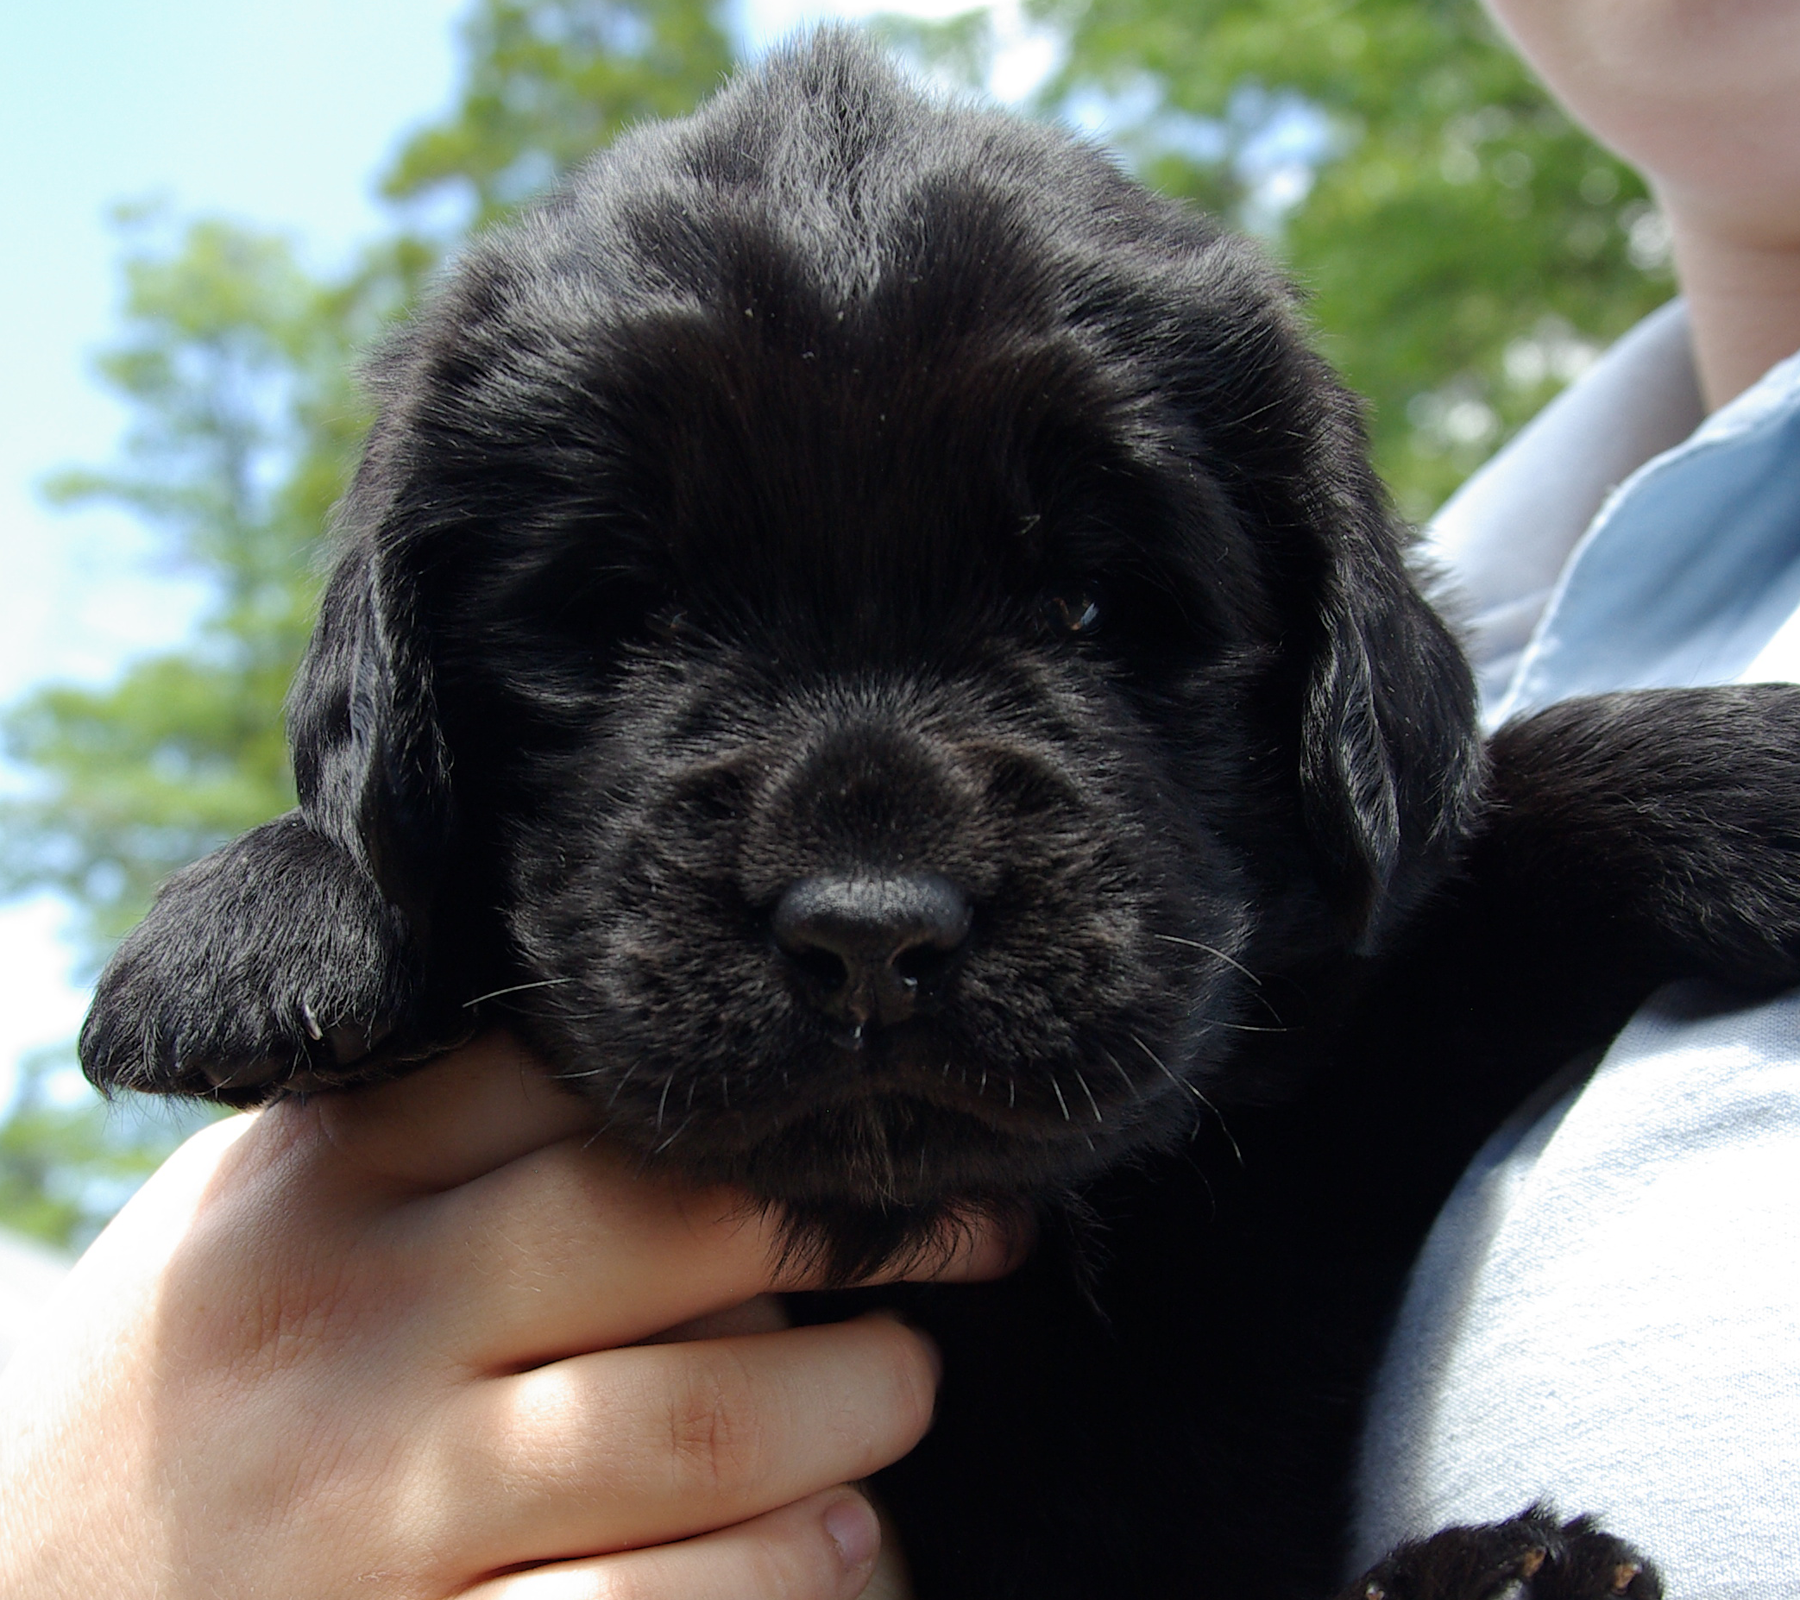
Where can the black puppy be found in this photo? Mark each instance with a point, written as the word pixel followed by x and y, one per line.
pixel 873 642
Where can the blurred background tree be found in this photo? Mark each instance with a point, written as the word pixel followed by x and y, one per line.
pixel 1465 249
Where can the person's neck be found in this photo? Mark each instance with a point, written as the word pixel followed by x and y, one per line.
pixel 1741 277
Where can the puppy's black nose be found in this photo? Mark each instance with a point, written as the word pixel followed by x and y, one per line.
pixel 869 949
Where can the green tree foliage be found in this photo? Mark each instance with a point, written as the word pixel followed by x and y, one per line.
pixel 66 1165
pixel 1463 245
pixel 232 363
pixel 236 365
pixel 550 81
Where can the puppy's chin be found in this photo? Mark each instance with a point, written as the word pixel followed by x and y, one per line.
pixel 889 1183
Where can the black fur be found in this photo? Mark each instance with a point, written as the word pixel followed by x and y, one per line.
pixel 841 488
pixel 1533 1553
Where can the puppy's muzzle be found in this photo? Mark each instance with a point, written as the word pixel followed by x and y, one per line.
pixel 872 951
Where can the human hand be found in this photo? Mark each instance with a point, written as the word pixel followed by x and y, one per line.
pixel 384 1343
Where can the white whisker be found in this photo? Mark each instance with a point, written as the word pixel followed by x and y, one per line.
pixel 1211 950
pixel 1124 1076
pixel 1160 1065
pixel 1240 1027
pixel 517 988
pixel 1093 1104
pixel 1181 1084
pixel 1219 1118
pixel 1230 961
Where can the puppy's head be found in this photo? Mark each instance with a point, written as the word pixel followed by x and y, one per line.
pixel 885 625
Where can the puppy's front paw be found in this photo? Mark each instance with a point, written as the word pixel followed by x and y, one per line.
pixel 1532 1556
pixel 272 964
pixel 1659 825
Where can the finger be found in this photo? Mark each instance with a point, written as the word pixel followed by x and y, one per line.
pixel 488 1102
pixel 655 1443
pixel 823 1548
pixel 468 1112
pixel 576 1248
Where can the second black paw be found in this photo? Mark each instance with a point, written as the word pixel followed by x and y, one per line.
pixel 1533 1556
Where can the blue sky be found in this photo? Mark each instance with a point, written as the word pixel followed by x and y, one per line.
pixel 279 115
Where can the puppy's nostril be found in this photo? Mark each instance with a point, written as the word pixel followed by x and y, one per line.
pixel 923 962
pixel 821 966
pixel 868 947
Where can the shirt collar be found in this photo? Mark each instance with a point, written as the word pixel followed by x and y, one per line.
pixel 1622 542
pixel 1503 539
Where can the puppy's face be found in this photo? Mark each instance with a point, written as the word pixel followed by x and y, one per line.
pixel 870 758
pixel 896 659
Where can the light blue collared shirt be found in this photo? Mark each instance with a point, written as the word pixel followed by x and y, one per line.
pixel 1607 1312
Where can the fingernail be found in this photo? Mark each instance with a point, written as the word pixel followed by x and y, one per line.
pixel 854 1530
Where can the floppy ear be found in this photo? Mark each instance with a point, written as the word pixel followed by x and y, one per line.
pixel 278 963
pixel 1388 760
pixel 1389 763
pixel 369 758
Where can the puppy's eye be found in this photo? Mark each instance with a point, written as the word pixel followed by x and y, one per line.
pixel 1074 612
